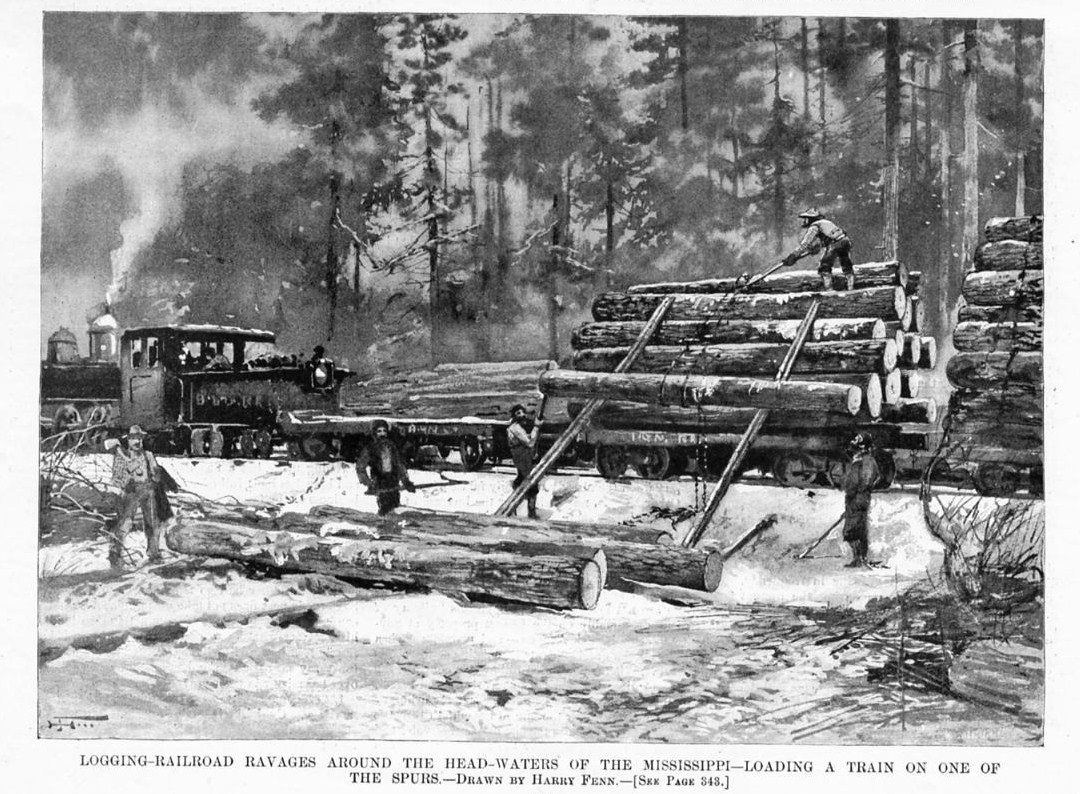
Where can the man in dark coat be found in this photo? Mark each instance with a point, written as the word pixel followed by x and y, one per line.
pixel 522 441
pixel 138 476
pixel 823 235
pixel 380 467
pixel 860 477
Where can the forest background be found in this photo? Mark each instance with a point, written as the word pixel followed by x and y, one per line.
pixel 409 188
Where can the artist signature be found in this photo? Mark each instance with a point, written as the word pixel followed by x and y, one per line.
pixel 61 724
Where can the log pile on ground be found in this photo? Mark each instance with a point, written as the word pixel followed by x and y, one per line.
pixel 449 391
pixel 554 564
pixel 995 415
pixel 713 360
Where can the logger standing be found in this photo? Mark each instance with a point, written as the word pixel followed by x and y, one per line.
pixel 823 235
pixel 137 474
pixel 522 442
pixel 380 467
pixel 860 477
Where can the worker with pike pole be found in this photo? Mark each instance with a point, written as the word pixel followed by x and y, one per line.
pixel 522 439
pixel 823 235
pixel 381 468
pixel 860 477
pixel 142 483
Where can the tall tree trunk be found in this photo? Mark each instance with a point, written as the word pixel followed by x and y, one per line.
pixel 928 123
pixel 971 143
pixel 913 143
pixel 946 235
pixel 1021 126
pixel 331 252
pixel 609 230
pixel 550 281
pixel 779 198
pixel 804 65
pixel 736 162
pixel 891 175
pixel 684 68
pixel 821 83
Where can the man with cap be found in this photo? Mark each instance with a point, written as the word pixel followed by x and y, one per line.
pixel 522 441
pixel 136 474
pixel 823 235
pixel 860 477
pixel 380 467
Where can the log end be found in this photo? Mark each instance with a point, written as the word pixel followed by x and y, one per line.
pixel 854 399
pixel 928 357
pixel 889 356
pixel 901 275
pixel 873 396
pixel 900 302
pixel 931 410
pixel 891 387
pixel 590 584
pixel 878 329
pixel 713 571
pixel 906 313
pixel 910 383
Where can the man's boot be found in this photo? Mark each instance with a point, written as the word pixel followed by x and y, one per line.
pixel 826 281
pixel 850 279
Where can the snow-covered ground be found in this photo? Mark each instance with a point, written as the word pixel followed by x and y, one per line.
pixel 203 651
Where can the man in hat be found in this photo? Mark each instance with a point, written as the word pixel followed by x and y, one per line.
pixel 380 467
pixel 136 473
pixel 860 477
pixel 823 235
pixel 522 441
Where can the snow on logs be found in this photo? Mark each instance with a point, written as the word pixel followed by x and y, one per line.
pixel 874 274
pixel 884 302
pixel 857 356
pixel 691 390
pixel 723 331
pixel 1029 229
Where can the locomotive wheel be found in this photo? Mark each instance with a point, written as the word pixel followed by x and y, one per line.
pixel 611 462
pixel 795 469
pixel 67 417
pixel 264 443
pixel 652 463
pixel 472 454
pixel 997 479
pixel 198 446
pixel 247 444
pixel 314 448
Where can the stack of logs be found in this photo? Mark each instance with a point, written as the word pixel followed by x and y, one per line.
pixel 555 564
pixel 996 412
pixel 869 339
pixel 449 391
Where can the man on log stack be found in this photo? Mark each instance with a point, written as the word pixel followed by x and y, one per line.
pixel 522 442
pixel 380 468
pixel 860 477
pixel 823 235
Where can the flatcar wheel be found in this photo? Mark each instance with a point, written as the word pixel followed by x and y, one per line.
pixel 997 479
pixel 264 443
pixel 472 454
pixel 886 469
pixel 180 440
pixel 247 444
pixel 652 463
pixel 198 446
pixel 314 448
pixel 795 469
pixel 611 462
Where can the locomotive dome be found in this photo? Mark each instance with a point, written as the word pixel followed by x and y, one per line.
pixel 105 322
pixel 62 336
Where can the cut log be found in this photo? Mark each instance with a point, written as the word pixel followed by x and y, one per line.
pixel 913 283
pixel 1000 314
pixel 980 337
pixel 910 383
pixel 1006 435
pixel 859 356
pixel 689 390
pixel 632 416
pixel 1004 288
pixel 885 302
pixel 1023 405
pixel 632 554
pixel 872 386
pixel 986 371
pixel 907 316
pixel 928 353
pixel 451 405
pixel 892 387
pixel 918 314
pixel 1026 229
pixel 691 332
pixel 873 274
pixel 542 574
pixel 922 411
pixel 910 351
pixel 1009 255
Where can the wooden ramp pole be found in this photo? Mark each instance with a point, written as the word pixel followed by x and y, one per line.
pixel 582 419
pixel 728 476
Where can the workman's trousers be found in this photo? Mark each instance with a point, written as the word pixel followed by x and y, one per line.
pixel 388 500
pixel 838 251
pixel 141 499
pixel 530 495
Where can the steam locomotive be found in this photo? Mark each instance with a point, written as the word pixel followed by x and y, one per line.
pixel 195 389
